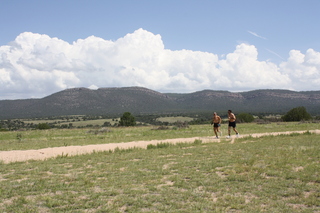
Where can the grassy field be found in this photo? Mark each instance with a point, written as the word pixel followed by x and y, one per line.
pixel 174 119
pixel 268 174
pixel 36 139
pixel 100 122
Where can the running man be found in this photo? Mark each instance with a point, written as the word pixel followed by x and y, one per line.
pixel 232 123
pixel 216 121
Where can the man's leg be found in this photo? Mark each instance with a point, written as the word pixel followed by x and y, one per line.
pixel 237 133
pixel 219 130
pixel 215 131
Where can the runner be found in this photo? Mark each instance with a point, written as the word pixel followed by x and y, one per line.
pixel 232 123
pixel 216 121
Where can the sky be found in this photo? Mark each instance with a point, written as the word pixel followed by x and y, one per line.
pixel 170 46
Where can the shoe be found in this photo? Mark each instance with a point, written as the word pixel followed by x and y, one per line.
pixel 238 135
pixel 228 136
pixel 217 137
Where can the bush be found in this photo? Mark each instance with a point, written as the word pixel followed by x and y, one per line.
pixel 43 126
pixel 245 117
pixel 297 114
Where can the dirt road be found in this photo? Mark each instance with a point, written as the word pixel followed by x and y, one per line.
pixel 42 154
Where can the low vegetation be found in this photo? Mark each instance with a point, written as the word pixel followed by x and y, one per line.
pixel 271 174
pixel 37 139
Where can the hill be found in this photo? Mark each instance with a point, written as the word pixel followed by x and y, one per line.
pixel 139 100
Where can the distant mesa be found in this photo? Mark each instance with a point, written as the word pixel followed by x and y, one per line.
pixel 140 100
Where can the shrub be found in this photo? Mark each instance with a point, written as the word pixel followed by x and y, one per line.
pixel 297 114
pixel 245 117
pixel 43 126
pixel 106 123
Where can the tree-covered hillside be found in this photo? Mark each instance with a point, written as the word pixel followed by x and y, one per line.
pixel 138 100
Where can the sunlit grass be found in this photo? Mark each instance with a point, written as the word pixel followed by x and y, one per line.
pixel 36 139
pixel 174 119
pixel 268 174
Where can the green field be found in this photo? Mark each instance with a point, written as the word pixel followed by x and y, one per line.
pixel 267 174
pixel 175 119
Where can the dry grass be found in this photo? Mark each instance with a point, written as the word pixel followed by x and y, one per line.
pixel 271 174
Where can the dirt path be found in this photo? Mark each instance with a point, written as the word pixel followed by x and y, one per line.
pixel 42 154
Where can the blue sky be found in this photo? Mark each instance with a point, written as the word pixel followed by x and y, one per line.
pixel 197 42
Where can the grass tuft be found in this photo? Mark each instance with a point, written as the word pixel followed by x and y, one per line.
pixel 158 146
pixel 197 141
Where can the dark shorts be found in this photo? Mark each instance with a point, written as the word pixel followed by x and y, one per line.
pixel 233 124
pixel 216 124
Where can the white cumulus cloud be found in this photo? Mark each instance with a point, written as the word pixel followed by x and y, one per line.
pixel 36 65
pixel 303 69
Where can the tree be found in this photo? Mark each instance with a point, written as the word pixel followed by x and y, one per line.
pixel 127 120
pixel 297 114
pixel 43 126
pixel 245 117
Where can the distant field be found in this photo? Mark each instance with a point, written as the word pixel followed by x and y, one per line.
pixel 98 122
pixel 174 119
pixel 76 123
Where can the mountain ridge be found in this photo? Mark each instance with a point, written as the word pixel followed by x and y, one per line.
pixel 140 100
